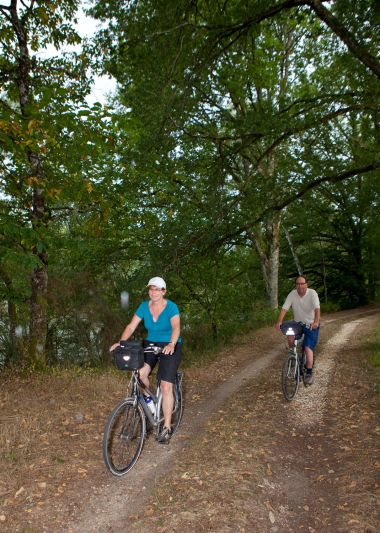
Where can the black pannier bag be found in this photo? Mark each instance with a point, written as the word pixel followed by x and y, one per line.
pixel 292 325
pixel 129 355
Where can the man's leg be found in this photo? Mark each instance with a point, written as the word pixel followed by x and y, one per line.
pixel 308 378
pixel 310 341
pixel 309 357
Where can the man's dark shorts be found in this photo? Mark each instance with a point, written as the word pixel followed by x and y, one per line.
pixel 310 337
pixel 168 364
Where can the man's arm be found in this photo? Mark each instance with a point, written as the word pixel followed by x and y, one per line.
pixel 280 318
pixel 317 317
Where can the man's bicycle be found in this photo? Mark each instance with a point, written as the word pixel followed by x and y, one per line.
pixel 126 428
pixel 294 366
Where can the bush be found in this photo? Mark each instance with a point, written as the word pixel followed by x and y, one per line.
pixel 330 307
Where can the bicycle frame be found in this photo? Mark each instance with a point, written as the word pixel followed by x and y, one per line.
pixel 136 392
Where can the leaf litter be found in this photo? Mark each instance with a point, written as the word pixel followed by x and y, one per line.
pixel 248 471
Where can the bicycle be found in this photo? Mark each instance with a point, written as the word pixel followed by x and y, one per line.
pixel 126 428
pixel 294 366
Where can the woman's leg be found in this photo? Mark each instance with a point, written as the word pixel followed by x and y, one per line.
pixel 144 374
pixel 167 402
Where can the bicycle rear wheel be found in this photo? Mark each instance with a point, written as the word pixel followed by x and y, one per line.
pixel 290 377
pixel 178 403
pixel 124 436
pixel 177 409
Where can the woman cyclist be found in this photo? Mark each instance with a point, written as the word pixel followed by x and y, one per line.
pixel 162 321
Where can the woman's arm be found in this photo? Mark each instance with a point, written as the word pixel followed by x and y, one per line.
pixel 128 331
pixel 176 330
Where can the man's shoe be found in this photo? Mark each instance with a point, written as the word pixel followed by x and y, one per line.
pixel 164 436
pixel 308 379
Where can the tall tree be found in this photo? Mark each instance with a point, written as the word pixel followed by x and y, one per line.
pixel 40 163
pixel 242 88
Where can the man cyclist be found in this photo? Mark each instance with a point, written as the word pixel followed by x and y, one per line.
pixel 306 309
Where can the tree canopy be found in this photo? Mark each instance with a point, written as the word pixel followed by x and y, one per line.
pixel 241 148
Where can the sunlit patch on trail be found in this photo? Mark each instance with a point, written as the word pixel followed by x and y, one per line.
pixel 311 402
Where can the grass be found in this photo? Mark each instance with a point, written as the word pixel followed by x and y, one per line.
pixel 202 348
pixel 374 358
pixel 34 409
pixel 375 348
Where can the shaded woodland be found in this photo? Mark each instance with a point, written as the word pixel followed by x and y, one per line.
pixel 241 147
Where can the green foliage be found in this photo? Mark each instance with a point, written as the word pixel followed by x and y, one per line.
pixel 329 307
pixel 336 245
pixel 252 112
pixel 52 146
pixel 231 118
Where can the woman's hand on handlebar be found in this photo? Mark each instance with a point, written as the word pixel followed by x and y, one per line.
pixel 169 348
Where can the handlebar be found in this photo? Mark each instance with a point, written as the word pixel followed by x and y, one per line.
pixel 152 348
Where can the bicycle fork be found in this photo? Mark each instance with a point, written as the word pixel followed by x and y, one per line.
pixel 292 368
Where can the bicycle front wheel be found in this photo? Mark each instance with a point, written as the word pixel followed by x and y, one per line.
pixel 290 377
pixel 124 436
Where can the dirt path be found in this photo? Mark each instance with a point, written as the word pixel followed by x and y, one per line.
pixel 309 465
pixel 156 461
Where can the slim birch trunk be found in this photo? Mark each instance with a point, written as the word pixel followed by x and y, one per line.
pixel 292 250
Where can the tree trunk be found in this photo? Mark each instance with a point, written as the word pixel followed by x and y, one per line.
pixel 268 249
pixel 39 279
pixel 38 317
pixel 39 215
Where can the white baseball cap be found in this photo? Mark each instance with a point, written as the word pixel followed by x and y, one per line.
pixel 157 282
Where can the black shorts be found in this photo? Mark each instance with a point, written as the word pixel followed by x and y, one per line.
pixel 168 364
